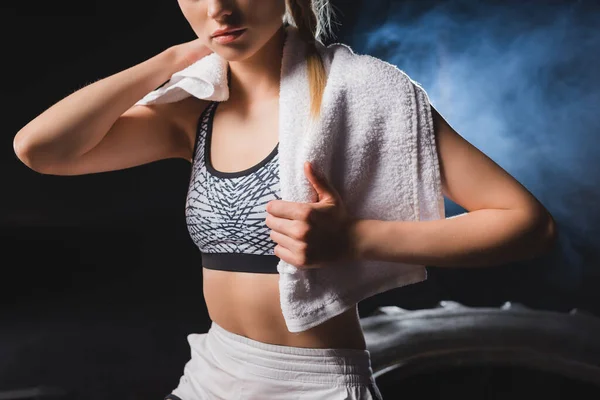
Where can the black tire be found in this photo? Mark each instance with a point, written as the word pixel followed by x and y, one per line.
pixel 404 343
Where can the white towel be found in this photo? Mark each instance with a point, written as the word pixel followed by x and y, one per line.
pixel 374 142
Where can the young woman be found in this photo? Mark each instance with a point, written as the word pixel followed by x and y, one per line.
pixel 248 352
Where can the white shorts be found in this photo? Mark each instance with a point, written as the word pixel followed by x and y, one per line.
pixel 227 366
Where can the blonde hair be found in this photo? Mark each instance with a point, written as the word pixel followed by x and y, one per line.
pixel 313 19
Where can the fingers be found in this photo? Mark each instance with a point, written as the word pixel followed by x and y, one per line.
pixel 289 243
pixel 298 230
pixel 289 209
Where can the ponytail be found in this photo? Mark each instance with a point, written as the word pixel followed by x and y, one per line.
pixel 311 17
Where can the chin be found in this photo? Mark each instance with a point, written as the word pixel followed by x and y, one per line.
pixel 232 54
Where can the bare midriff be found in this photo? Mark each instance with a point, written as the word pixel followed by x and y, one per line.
pixel 248 304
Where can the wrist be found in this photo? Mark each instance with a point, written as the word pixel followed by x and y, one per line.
pixel 360 246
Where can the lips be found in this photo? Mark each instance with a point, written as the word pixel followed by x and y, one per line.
pixel 229 32
pixel 227 38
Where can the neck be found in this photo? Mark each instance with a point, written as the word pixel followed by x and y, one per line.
pixel 257 78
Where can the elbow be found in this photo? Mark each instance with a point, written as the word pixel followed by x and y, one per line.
pixel 25 155
pixel 552 233
pixel 21 151
pixel 548 234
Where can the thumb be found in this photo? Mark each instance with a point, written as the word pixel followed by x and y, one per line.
pixel 323 188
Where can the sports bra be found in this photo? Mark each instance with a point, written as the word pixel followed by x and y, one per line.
pixel 225 211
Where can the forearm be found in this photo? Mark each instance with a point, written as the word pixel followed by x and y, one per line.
pixel 77 123
pixel 479 238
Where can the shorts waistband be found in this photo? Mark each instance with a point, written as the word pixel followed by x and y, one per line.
pixel 331 366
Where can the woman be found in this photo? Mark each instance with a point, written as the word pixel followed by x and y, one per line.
pixel 248 352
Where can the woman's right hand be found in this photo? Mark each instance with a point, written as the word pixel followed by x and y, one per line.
pixel 190 52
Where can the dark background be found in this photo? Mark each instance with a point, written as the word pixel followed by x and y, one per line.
pixel 100 282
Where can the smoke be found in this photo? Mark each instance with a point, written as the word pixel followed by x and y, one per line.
pixel 521 82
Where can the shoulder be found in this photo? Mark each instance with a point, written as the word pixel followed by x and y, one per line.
pixel 374 83
pixel 364 70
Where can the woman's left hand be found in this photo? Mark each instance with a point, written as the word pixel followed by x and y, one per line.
pixel 311 233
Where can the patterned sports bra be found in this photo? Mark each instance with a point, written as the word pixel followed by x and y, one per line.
pixel 225 211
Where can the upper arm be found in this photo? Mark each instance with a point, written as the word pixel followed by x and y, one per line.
pixel 473 180
pixel 142 134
